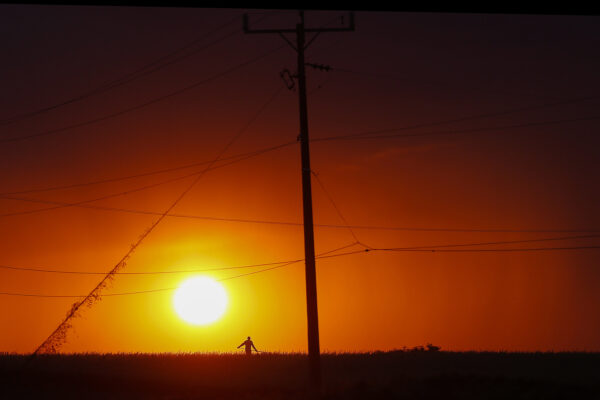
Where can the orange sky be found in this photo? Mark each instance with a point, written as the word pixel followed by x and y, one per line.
pixel 530 178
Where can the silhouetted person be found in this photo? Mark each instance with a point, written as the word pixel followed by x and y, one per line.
pixel 248 346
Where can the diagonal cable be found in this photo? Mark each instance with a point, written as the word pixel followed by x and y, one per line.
pixel 58 336
pixel 348 226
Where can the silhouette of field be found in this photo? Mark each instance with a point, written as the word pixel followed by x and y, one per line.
pixel 379 375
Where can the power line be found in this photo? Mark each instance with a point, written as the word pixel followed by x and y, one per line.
pixel 326 254
pixel 158 64
pixel 472 117
pixel 366 135
pixel 151 67
pixel 84 203
pixel 494 243
pixel 60 205
pixel 143 174
pixel 145 104
pixel 463 230
pixel 284 264
pixel 291 223
pixel 56 271
pixel 359 136
pixel 433 250
pixel 435 83
pixel 322 255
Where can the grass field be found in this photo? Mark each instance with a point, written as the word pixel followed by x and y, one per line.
pixel 380 375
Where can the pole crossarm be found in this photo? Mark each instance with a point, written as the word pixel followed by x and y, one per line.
pixel 349 28
pixel 293 30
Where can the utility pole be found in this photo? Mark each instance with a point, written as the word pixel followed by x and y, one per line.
pixel 314 353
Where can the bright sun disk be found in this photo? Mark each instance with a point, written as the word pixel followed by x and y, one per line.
pixel 200 300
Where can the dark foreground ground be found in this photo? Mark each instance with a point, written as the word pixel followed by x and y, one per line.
pixel 390 375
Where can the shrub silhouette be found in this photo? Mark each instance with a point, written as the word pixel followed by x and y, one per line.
pixel 431 347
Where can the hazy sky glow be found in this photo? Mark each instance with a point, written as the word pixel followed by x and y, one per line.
pixel 400 73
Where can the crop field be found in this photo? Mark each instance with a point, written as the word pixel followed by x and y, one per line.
pixel 380 375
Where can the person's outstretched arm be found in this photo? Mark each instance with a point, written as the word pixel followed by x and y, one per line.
pixel 240 345
pixel 254 347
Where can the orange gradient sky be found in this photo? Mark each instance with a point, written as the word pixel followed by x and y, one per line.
pixel 408 69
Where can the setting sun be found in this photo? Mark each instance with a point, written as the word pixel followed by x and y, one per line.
pixel 200 300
